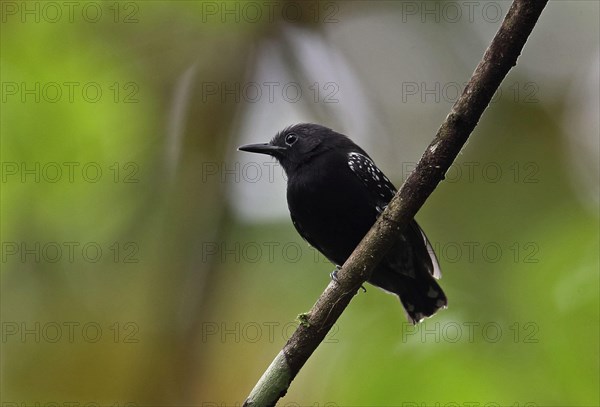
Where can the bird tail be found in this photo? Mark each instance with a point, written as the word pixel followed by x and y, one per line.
pixel 420 294
pixel 421 297
pixel 410 271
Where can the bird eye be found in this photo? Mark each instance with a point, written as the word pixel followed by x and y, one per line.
pixel 290 139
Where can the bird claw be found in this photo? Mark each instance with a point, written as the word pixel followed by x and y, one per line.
pixel 380 209
pixel 333 274
pixel 334 278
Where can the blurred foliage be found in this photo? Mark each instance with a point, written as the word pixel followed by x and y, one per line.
pixel 187 303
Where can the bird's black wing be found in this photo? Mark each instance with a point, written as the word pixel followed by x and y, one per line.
pixel 381 190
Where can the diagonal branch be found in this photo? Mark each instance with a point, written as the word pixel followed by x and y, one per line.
pixel 499 58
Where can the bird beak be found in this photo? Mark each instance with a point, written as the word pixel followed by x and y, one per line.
pixel 262 148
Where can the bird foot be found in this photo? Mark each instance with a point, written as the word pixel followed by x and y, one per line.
pixel 333 274
pixel 334 278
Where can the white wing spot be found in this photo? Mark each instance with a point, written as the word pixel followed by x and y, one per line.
pixel 432 293
pixel 373 177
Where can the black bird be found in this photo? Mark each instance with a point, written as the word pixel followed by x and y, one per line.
pixel 335 193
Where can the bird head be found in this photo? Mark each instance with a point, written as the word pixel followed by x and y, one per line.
pixel 298 144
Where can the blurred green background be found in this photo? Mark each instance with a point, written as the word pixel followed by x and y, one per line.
pixel 146 262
